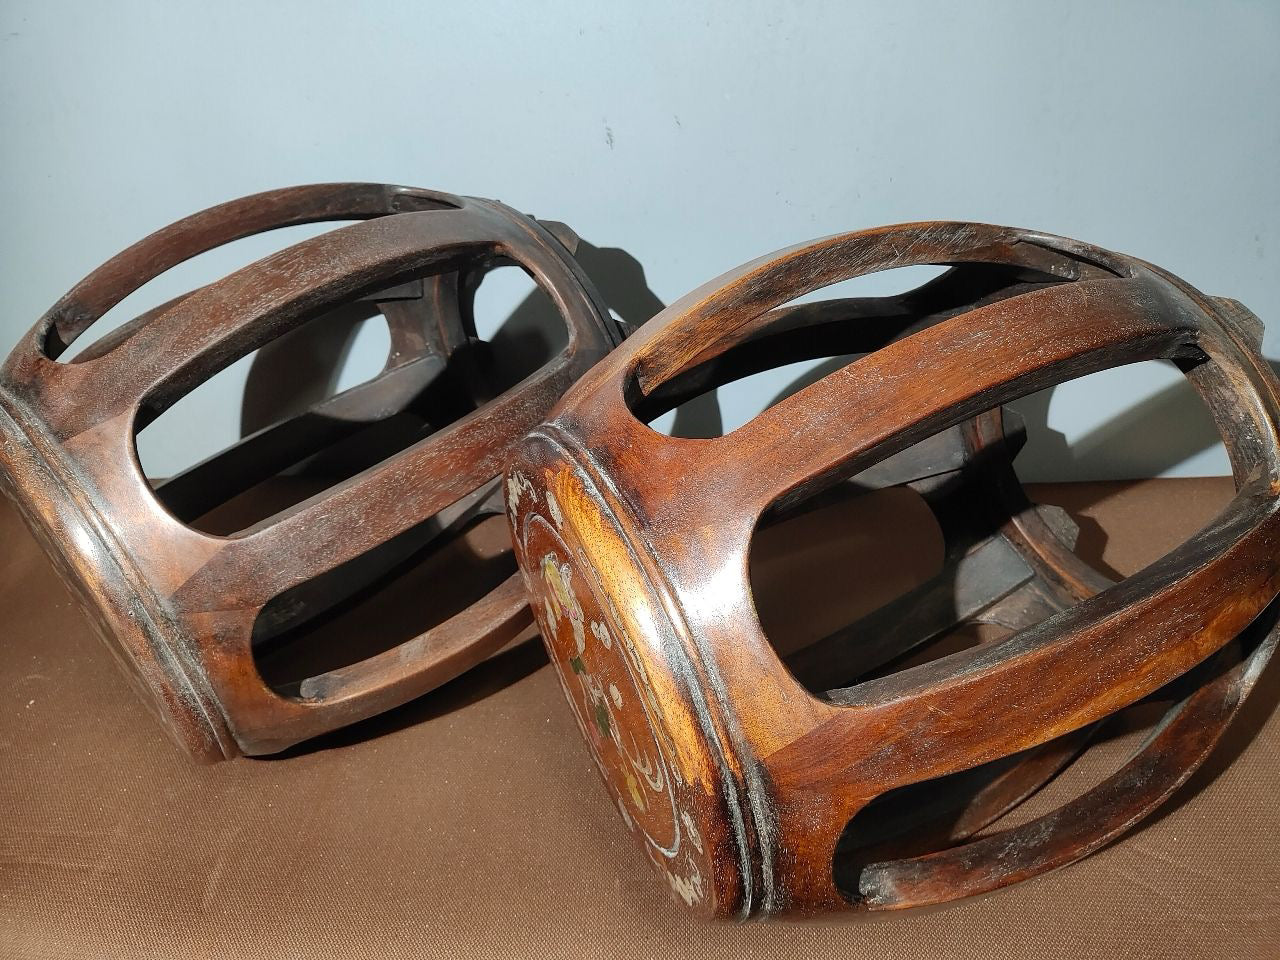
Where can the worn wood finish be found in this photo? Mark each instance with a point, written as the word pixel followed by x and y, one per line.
pixel 739 782
pixel 181 607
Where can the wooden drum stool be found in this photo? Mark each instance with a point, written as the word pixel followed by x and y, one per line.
pixel 184 609
pixel 846 776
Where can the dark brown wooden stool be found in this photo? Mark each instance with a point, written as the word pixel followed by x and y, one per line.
pixel 848 777
pixel 406 458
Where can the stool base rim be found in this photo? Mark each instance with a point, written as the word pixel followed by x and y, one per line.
pixel 127 617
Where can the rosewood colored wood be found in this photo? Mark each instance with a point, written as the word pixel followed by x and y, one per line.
pixel 184 608
pixel 842 779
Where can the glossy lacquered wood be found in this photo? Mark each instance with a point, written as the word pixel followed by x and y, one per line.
pixel 742 776
pixel 182 607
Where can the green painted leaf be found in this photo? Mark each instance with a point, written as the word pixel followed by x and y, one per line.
pixel 576 663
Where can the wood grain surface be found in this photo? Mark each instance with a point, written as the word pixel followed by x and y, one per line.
pixel 636 550
pixel 405 459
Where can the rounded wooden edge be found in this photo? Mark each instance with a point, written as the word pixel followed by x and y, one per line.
pixel 646 710
pixel 711 318
pixel 200 232
pixel 149 651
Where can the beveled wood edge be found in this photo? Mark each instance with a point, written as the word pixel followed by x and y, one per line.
pixel 129 618
pixel 738 780
pixel 212 227
pixel 720 313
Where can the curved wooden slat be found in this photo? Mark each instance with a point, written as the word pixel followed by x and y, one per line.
pixel 943 375
pixel 218 324
pixel 344 521
pixel 1176 748
pixel 425 662
pixel 730 309
pixel 180 241
pixel 1110 651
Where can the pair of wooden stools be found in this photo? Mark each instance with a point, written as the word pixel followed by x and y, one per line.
pixel 851 773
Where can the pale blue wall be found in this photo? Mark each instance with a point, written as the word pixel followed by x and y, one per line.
pixel 694 136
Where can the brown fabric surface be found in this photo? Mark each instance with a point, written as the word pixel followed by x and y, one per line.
pixel 471 822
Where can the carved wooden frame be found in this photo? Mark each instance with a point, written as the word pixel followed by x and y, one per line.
pixel 736 780
pixel 177 605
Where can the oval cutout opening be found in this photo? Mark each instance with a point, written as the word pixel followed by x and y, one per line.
pixel 105 333
pixel 829 563
pixel 306 427
pixel 379 601
pixel 968 578
pixel 933 815
pixel 518 322
pixel 813 336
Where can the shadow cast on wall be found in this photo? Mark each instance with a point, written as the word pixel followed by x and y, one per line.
pixel 1152 436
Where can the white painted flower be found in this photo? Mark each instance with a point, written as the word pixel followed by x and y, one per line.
pixel 561 598
pixel 687 890
pixel 554 506
pixel 691 830
pixel 517 486
pixel 643 765
pixel 601 633
pixel 579 635
pixel 615 695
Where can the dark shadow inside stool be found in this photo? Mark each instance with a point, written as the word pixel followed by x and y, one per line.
pixel 380 600
pixel 329 438
pixel 438 567
pixel 933 815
